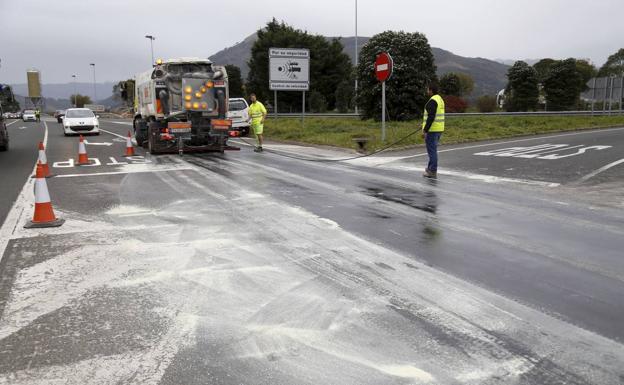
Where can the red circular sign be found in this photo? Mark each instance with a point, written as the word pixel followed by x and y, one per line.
pixel 383 66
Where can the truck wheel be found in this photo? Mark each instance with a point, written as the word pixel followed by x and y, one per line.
pixel 139 132
pixel 153 131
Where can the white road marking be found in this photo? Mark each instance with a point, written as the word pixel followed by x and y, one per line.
pixel 114 134
pixel 24 200
pixel 124 172
pixel 108 144
pixel 513 141
pixel 599 171
pixel 124 123
pixel 13 122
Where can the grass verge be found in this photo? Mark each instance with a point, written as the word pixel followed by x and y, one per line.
pixel 340 132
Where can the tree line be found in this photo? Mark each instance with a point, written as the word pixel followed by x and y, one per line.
pixel 557 84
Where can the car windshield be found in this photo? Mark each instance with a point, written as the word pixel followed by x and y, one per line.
pixel 186 68
pixel 237 105
pixel 29 112
pixel 79 114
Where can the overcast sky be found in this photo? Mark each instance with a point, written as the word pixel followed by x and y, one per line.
pixel 61 37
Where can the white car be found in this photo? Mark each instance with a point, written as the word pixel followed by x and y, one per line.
pixel 238 112
pixel 80 121
pixel 29 116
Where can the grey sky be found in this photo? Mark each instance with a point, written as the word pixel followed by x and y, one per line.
pixel 62 37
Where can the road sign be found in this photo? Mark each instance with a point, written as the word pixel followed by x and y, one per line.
pixel 383 66
pixel 95 107
pixel 289 69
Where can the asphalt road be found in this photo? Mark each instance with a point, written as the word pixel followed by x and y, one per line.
pixel 263 269
pixel 17 163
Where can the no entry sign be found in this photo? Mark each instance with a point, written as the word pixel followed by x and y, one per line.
pixel 383 66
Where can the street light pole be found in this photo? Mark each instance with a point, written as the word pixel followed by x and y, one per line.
pixel 151 39
pixel 356 56
pixel 94 87
pixel 75 94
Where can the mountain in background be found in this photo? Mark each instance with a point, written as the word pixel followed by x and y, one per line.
pixel 511 62
pixel 65 90
pixel 490 76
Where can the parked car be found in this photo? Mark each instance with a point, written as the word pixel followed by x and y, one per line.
pixel 58 114
pixel 4 133
pixel 238 112
pixel 80 121
pixel 29 116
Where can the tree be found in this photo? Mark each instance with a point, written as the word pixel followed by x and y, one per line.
pixel 235 81
pixel 414 69
pixel 344 96
pixel 543 68
pixel 466 83
pixel 563 85
pixel 522 90
pixel 329 65
pixel 79 100
pixel 450 84
pixel 455 104
pixel 587 71
pixel 486 103
pixel 614 65
pixel 317 102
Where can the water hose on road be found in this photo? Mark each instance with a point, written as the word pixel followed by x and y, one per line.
pixel 337 160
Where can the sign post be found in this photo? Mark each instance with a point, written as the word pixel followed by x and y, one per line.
pixel 383 71
pixel 289 70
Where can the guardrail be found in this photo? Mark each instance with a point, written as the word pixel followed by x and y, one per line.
pixel 464 114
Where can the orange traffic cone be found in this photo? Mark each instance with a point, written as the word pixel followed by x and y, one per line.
pixel 44 161
pixel 44 214
pixel 83 158
pixel 129 146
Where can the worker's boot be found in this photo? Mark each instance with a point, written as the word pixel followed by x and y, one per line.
pixel 430 174
pixel 258 149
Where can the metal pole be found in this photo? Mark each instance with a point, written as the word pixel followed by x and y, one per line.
pixel 275 102
pixel 611 94
pixel 75 93
pixel 356 57
pixel 621 92
pixel 303 108
pixel 383 111
pixel 604 101
pixel 94 87
pixel 593 96
pixel 151 38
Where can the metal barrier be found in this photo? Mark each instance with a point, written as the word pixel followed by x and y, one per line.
pixel 466 114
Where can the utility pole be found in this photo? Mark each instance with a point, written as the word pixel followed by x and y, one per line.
pixel 151 39
pixel 94 87
pixel 356 56
pixel 75 94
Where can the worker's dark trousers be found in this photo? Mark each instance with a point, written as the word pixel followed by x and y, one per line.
pixel 432 140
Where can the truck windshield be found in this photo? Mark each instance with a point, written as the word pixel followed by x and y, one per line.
pixel 188 68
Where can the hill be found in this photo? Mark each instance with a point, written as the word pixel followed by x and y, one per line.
pixel 489 76
pixel 64 90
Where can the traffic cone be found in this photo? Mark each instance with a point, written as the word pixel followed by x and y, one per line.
pixel 44 215
pixel 129 146
pixel 83 158
pixel 44 161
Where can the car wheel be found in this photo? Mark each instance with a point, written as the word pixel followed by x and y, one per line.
pixel 5 146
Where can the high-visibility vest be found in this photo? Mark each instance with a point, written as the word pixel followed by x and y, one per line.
pixel 256 112
pixel 438 122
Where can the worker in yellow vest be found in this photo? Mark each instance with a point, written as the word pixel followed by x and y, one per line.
pixel 257 115
pixel 433 127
